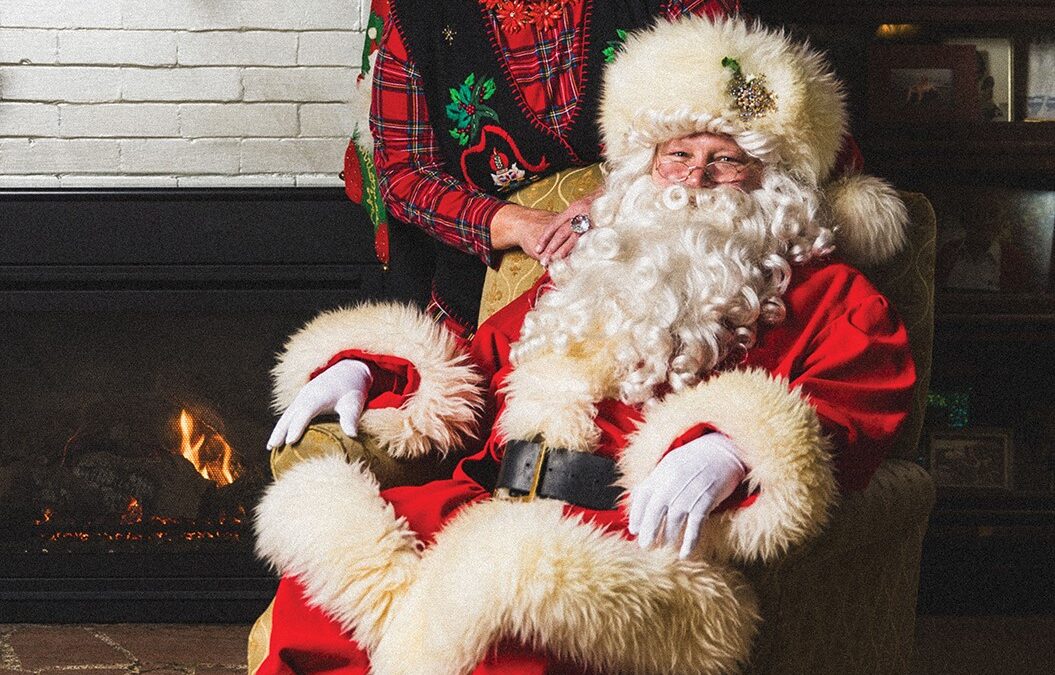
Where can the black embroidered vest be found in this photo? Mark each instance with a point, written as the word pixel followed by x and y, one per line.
pixel 488 135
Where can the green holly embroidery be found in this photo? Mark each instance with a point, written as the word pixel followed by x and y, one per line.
pixel 466 109
pixel 614 46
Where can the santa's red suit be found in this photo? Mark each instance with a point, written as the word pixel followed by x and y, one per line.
pixel 442 577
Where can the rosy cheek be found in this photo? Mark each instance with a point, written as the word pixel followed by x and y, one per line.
pixel 658 179
pixel 752 181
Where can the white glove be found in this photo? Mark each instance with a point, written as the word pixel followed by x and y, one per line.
pixel 341 389
pixel 685 487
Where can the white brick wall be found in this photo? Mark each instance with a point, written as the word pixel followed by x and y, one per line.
pixel 176 93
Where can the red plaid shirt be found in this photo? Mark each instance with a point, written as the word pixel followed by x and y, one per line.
pixel 414 177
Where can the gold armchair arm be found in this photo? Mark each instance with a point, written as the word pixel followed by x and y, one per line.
pixel 327 438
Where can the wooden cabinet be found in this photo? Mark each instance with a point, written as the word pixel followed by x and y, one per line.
pixel 984 154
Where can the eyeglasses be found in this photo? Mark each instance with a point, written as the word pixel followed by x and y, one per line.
pixel 722 170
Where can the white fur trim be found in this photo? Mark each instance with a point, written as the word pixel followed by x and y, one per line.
pixel 780 440
pixel 554 396
pixel 644 103
pixel 325 523
pixel 523 570
pixel 870 219
pixel 360 110
pixel 439 415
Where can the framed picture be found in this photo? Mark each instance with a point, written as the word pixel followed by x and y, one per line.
pixel 994 239
pixel 922 86
pixel 971 458
pixel 1040 81
pixel 995 69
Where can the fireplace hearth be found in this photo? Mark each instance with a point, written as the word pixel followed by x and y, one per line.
pixel 138 330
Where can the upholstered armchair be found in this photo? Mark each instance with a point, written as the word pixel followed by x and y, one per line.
pixel 844 602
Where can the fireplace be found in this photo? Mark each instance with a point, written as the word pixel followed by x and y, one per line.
pixel 138 330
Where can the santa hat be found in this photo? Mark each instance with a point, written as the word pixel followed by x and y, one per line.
pixel 778 98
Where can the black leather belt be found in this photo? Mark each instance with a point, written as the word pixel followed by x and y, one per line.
pixel 528 470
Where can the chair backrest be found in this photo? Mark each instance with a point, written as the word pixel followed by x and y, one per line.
pixel 907 279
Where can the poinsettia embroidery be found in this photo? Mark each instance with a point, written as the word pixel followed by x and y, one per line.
pixel 466 109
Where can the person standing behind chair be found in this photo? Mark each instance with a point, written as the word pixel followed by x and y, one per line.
pixel 473 100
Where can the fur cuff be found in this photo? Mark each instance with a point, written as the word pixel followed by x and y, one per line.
pixel 359 109
pixel 356 561
pixel 440 414
pixel 869 219
pixel 503 569
pixel 780 440
pixel 554 397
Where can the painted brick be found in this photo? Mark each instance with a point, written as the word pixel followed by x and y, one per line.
pixel 179 156
pixel 298 84
pixel 71 181
pixel 181 84
pixel 60 14
pixel 60 83
pixel 58 156
pixel 301 15
pixel 14 181
pixel 29 119
pixel 119 119
pixel 183 14
pixel 227 48
pixel 134 47
pixel 326 119
pixel 251 180
pixel 28 46
pixel 330 48
pixel 293 155
pixel 232 119
pixel 320 180
pixel 364 12
pixel 117 113
pixel 237 14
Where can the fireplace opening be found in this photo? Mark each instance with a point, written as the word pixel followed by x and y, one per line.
pixel 152 474
pixel 135 397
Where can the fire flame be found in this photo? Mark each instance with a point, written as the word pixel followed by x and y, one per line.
pixel 133 512
pixel 207 450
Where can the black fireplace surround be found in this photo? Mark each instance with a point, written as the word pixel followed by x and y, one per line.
pixel 138 328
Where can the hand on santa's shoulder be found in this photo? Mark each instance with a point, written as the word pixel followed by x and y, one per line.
pixel 519 226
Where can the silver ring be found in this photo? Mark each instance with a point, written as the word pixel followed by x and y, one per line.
pixel 580 223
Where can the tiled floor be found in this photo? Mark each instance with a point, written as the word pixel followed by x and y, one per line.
pixel 119 649
pixel 944 646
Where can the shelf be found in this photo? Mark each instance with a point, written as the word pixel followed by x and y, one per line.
pixel 995 509
pixel 960 307
pixel 905 11
pixel 1024 150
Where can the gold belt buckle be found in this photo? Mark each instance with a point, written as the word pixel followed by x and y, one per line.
pixel 536 478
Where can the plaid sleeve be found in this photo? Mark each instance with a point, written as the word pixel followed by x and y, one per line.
pixel 676 8
pixel 411 171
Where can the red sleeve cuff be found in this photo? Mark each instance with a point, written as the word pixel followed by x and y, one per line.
pixel 741 497
pixel 394 379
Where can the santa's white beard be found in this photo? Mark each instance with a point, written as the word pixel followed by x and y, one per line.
pixel 670 281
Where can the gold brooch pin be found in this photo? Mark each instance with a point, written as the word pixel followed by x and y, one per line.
pixel 750 97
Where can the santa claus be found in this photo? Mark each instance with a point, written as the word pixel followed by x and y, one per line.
pixel 688 390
